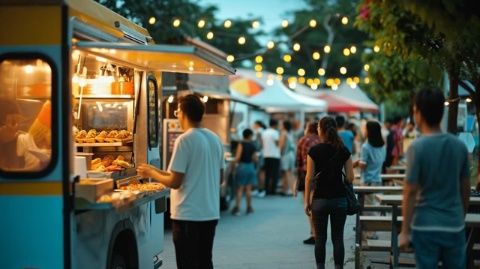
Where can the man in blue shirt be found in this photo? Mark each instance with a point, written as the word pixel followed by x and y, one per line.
pixel 437 189
pixel 346 135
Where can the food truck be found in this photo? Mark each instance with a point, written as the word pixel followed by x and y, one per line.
pixel 80 108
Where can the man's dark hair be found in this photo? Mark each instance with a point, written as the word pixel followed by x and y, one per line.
pixel 261 124
pixel 340 121
pixel 312 127
pixel 430 103
pixel 287 125
pixel 247 133
pixel 192 106
pixel 273 123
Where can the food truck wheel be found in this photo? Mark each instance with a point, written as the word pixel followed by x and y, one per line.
pixel 118 261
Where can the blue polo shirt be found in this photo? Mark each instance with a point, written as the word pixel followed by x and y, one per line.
pixel 373 157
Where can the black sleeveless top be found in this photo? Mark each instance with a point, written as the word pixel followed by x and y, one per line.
pixel 248 148
pixel 330 184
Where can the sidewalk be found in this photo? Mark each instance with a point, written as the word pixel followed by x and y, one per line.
pixel 270 238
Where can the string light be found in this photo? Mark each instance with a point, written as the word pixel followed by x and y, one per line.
pixel 255 24
pixel 316 81
pixel 259 74
pixel 230 58
pixel 346 52
pixel 468 100
pixel 343 70
pixel 287 58
pixel 210 35
pixel 316 55
pixel 446 103
pixel 227 24
pixel 284 23
pixel 366 67
pixel 349 81
pixel 259 59
pixel 312 23
pixel 176 23
pixel 301 80
pixel 309 82
pixel 330 82
pixel 334 87
pixel 314 86
pixel 270 44
pixel 201 23
pixel 301 72
pixel 242 40
pixel 280 70
pixel 321 72
pixel 258 67
pixel 353 85
pixel 152 20
pixel 327 49
pixel 376 48
pixel 353 49
pixel 356 80
pixel 344 20
pixel 296 47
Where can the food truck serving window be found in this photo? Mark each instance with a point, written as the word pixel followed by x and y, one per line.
pixel 25 114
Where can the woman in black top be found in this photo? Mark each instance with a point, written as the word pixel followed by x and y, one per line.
pixel 245 173
pixel 325 196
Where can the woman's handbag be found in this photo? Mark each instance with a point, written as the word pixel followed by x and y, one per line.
pixel 353 206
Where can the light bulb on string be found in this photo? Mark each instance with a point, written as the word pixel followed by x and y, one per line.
pixel 258 67
pixel 296 47
pixel 270 44
pixel 242 40
pixel 227 23
pixel 366 67
pixel 287 58
pixel 366 80
pixel 316 55
pixel 284 23
pixel 301 72
pixel 312 23
pixel 201 23
pixel 353 49
pixel 345 20
pixel 346 52
pixel 376 48
pixel 327 49
pixel 255 24
pixel 176 23
pixel 259 59
pixel 280 70
pixel 152 20
pixel 343 70
pixel 230 58
pixel 321 72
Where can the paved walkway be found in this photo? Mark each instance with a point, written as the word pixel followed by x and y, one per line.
pixel 270 238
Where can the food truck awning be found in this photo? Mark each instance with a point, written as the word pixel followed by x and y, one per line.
pixel 172 58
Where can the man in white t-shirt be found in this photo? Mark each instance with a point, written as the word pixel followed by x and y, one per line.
pixel 194 174
pixel 271 154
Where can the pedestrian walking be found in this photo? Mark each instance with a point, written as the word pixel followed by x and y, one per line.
pixel 245 171
pixel 271 154
pixel 287 161
pixel 309 140
pixel 258 128
pixel 326 196
pixel 437 189
pixel 194 174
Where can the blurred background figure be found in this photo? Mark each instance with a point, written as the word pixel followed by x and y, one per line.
pixel 258 128
pixel 409 135
pixel 397 130
pixel 346 135
pixel 309 140
pixel 245 172
pixel 287 163
pixel 271 154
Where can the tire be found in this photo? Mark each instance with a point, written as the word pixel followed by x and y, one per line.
pixel 118 262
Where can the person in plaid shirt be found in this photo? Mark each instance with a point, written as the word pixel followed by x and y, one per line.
pixel 309 140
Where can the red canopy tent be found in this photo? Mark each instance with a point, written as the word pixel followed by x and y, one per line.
pixel 338 104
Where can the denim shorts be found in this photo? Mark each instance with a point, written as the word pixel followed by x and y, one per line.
pixel 246 174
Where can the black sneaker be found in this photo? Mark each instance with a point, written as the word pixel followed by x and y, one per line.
pixel 249 210
pixel 309 241
pixel 236 211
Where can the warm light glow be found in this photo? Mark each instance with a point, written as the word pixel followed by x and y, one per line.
pixel 201 23
pixel 468 100
pixel 205 99
pixel 353 85
pixel 284 23
pixel 301 72
pixel 190 68
pixel 327 49
pixel 259 74
pixel 28 69
pixel 330 82
pixel 316 81
pixel 176 23
pixel 312 23
pixel 346 51
pixel 287 58
pixel 343 70
pixel 296 47
pixel 242 40
pixel 349 81
pixel 258 67
pixel 334 87
pixel 270 44
pixel 279 77
pixel 280 70
pixel 376 48
pixel 270 82
pixel 316 55
pixel 292 79
pixel 170 99
pixel 100 59
pixel 230 58
pixel 314 86
pixel 321 72
pixel 292 85
pixel 210 35
pixel 309 82
pixel 337 81
pixel 227 24
pixel 152 20
pixel 366 80
pixel 356 80
pixel 344 20
pixel 301 80
pixel 353 49
pixel 366 67
pixel 255 24
pixel 259 59
pixel 446 103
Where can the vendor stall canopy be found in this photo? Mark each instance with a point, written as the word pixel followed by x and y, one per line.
pixel 271 94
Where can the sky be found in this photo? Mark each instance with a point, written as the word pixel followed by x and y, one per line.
pixel 272 11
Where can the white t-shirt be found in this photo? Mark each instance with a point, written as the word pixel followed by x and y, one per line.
pixel 198 153
pixel 270 139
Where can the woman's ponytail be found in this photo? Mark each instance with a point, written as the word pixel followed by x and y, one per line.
pixel 328 127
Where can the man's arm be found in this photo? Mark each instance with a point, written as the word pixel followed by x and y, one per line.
pixel 170 179
pixel 408 204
